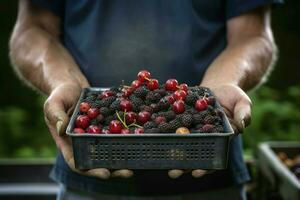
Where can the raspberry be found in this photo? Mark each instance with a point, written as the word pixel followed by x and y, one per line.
pixel 149 125
pixel 165 127
pixel 191 99
pixel 187 120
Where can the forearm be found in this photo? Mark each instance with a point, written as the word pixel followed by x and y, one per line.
pixel 40 59
pixel 245 64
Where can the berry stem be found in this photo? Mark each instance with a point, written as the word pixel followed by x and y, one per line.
pixel 123 122
pixel 136 125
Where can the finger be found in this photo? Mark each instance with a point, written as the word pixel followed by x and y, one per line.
pixel 197 173
pixel 175 173
pixel 55 114
pixel 242 112
pixel 123 173
pixel 101 173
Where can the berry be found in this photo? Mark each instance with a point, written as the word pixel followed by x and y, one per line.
pixel 143 75
pixel 125 131
pixel 78 130
pixel 169 115
pixel 125 105
pixel 178 107
pixel 84 107
pixel 106 94
pixel 164 127
pixel 184 87
pixel 136 84
pixel 149 125
pixel 153 84
pixel 143 117
pixel 209 119
pixel 146 108
pixel 162 92
pixel 105 111
pixel 115 89
pixel 115 105
pixel 163 104
pixel 141 92
pixel 170 99
pixel 171 85
pixel 200 104
pixel 208 128
pixel 179 94
pixel 94 129
pixel 191 99
pixel 127 92
pixel 105 131
pixel 175 123
pixel 90 99
pixel 211 100
pixel 82 121
pixel 182 130
pixel 130 117
pixel 115 126
pixel 138 130
pixel 187 120
pixel 160 119
pixel 198 118
pixel 100 118
pixel 93 113
pixel 153 97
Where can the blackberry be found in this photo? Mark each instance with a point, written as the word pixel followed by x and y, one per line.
pixel 108 119
pixel 208 128
pixel 155 107
pixel 136 101
pixel 209 119
pixel 191 99
pixel 165 127
pixel 162 92
pixel 154 116
pixel 153 97
pixel 218 129
pixel 152 130
pixel 175 124
pixel 192 111
pixel 187 120
pixel 115 105
pixel 163 104
pixel 90 99
pixel 94 122
pixel 199 126
pixel 146 108
pixel 104 102
pixel 169 115
pixel 97 104
pixel 141 92
pixel 211 110
pixel 149 125
pixel 105 111
pixel 197 119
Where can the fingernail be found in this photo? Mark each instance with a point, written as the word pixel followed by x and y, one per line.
pixel 198 173
pixel 58 127
pixel 243 123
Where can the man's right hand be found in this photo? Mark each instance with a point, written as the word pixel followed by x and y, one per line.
pixel 58 108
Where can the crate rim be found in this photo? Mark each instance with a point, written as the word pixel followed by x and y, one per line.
pixel 69 132
pixel 266 149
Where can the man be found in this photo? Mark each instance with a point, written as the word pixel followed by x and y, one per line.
pixel 60 47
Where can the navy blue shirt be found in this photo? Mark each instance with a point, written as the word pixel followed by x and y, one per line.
pixel 112 40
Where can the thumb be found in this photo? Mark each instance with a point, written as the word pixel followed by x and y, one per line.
pixel 55 113
pixel 242 113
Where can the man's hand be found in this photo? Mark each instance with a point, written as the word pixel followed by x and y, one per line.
pixel 237 106
pixel 58 108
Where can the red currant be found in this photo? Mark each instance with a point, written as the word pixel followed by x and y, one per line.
pixel 84 107
pixel 171 84
pixel 200 104
pixel 93 113
pixel 183 86
pixel 94 129
pixel 125 105
pixel 143 117
pixel 178 107
pixel 153 84
pixel 179 94
pixel 115 126
pixel 82 121
pixel 143 75
pixel 136 84
pixel 130 117
pixel 78 130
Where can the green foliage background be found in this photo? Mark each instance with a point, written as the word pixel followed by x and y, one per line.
pixel 276 110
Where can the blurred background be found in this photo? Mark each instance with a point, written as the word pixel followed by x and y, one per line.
pixel 276 110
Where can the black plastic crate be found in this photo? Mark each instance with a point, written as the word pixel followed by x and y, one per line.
pixel 149 151
pixel 281 180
